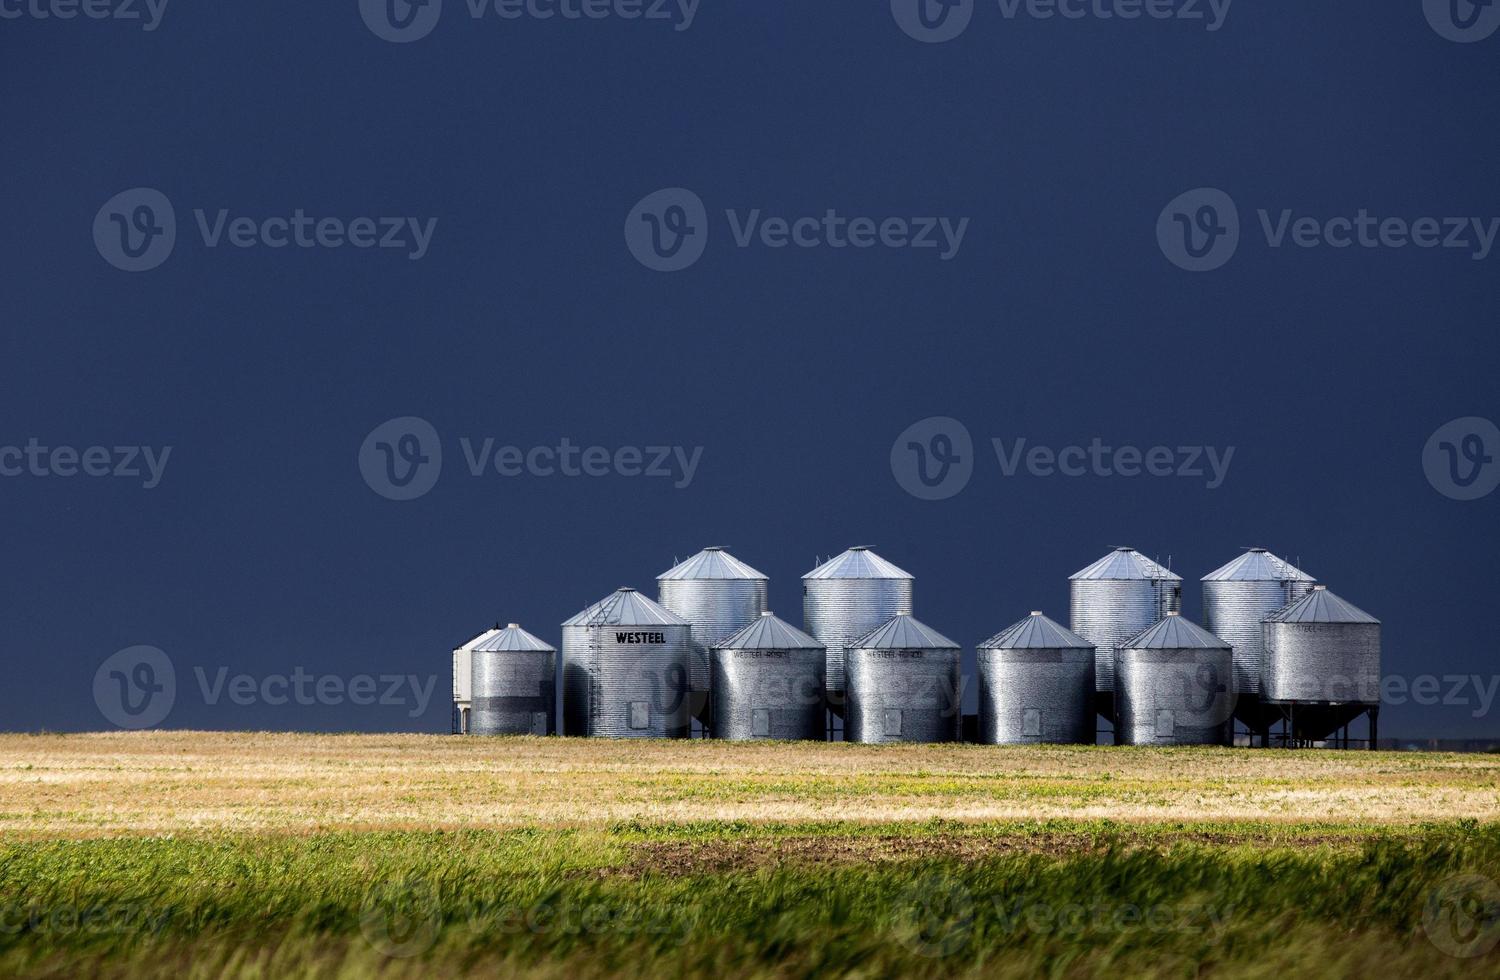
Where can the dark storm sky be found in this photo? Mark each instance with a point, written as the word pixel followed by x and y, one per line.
pixel 528 321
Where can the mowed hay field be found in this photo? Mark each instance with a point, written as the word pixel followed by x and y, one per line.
pixel 210 854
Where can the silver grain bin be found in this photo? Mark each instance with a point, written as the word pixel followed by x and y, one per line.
pixel 1036 684
pixel 768 683
pixel 1174 686
pixel 462 680
pixel 904 685
pixel 1116 598
pixel 1239 596
pixel 845 598
pixel 719 595
pixel 515 684
pixel 625 670
pixel 1322 649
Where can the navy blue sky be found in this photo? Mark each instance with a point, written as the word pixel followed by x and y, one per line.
pixel 529 321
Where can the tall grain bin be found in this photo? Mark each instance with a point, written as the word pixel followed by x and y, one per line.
pixel 1237 598
pixel 719 595
pixel 463 680
pixel 845 598
pixel 1113 600
pixel 1322 649
pixel 904 685
pixel 515 684
pixel 1036 684
pixel 625 670
pixel 1175 686
pixel 768 683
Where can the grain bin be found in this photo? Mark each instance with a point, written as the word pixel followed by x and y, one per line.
pixel 1238 597
pixel 1113 600
pixel 1174 686
pixel 463 680
pixel 719 595
pixel 768 683
pixel 625 669
pixel 515 684
pixel 845 598
pixel 904 685
pixel 1036 684
pixel 1321 649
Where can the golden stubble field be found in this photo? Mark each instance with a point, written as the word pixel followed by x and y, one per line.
pixel 181 782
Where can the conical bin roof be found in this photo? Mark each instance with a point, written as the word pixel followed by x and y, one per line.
pixel 857 562
pixel 1036 632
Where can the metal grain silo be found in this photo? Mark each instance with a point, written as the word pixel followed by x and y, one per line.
pixel 625 670
pixel 1321 649
pixel 1036 684
pixel 463 680
pixel 719 595
pixel 768 683
pixel 1238 597
pixel 845 598
pixel 1174 686
pixel 904 685
pixel 1113 600
pixel 515 684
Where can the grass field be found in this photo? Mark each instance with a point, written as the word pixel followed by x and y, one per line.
pixel 197 854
